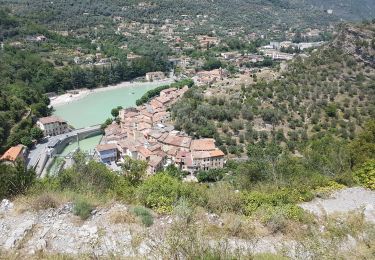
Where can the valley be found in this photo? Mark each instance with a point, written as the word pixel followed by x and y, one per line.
pixel 179 129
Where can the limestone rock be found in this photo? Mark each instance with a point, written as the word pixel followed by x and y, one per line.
pixel 5 206
pixel 18 234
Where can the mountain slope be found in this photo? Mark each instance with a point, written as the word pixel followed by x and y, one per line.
pixel 250 14
pixel 347 9
pixel 332 91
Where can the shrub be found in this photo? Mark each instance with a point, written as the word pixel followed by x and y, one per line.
pixel 331 110
pixel 159 192
pixel 144 214
pixel 365 175
pixel 277 218
pixel 327 190
pixel 212 175
pixel 92 177
pixel 254 200
pixel 82 208
pixel 269 256
pixel 236 226
pixel 223 198
pixel 15 180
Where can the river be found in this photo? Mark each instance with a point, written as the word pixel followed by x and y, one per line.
pixel 96 107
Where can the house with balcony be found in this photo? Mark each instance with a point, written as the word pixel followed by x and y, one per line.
pixel 107 153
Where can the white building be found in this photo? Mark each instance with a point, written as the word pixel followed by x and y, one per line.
pixel 52 125
pixel 157 75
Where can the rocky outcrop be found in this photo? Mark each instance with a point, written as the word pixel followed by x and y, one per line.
pixel 344 201
pixel 59 231
pixel 357 41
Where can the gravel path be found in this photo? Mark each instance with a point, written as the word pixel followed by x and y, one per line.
pixel 343 201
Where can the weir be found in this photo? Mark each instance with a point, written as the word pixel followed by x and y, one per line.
pixel 40 162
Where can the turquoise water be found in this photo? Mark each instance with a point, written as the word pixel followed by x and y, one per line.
pixel 85 145
pixel 96 107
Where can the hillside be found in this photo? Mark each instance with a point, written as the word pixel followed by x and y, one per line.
pixel 347 9
pixel 30 68
pixel 249 15
pixel 284 94
pixel 331 91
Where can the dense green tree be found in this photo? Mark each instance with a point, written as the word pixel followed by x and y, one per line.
pixel 134 170
pixel 15 180
pixel 363 147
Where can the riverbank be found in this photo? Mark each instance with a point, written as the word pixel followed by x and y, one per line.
pixel 81 93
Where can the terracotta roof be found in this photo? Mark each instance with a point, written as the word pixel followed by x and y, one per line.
pixel 216 153
pixel 144 151
pixel 160 115
pixel 167 91
pixel 170 150
pixel 155 134
pixel 155 147
pixel 163 137
pixel 201 154
pixel 155 104
pixel 159 153
pixel 155 160
pixel 143 126
pixel 188 160
pixel 203 144
pixel 106 147
pixel 181 154
pixel 12 153
pixel 51 119
pixel 207 154
pixel 163 99
pixel 112 129
pixel 180 141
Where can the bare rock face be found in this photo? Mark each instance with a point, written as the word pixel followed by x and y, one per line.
pixel 18 234
pixel 110 232
pixel 344 201
pixel 357 41
pixel 59 231
pixel 5 206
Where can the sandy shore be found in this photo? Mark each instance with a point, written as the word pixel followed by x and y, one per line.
pixel 81 93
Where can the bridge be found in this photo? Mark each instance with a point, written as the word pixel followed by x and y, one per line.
pixel 59 142
pixel 41 157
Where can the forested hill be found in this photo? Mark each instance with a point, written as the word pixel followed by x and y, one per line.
pixel 331 91
pixel 29 68
pixel 226 14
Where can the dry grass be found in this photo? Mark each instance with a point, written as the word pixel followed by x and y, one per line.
pixel 51 199
pixel 122 217
pixel 45 201
pixel 41 201
pixel 237 226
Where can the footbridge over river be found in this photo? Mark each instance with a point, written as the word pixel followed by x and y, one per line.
pixel 41 157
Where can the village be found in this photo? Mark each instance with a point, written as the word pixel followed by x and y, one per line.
pixel 144 133
pixel 140 133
